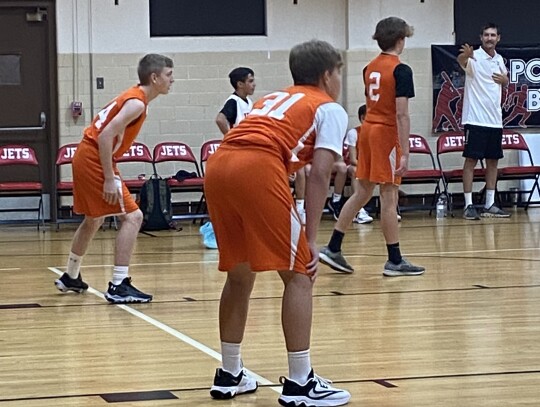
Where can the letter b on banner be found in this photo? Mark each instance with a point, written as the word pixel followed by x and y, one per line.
pixel 533 100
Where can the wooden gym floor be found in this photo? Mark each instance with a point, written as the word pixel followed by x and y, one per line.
pixel 467 333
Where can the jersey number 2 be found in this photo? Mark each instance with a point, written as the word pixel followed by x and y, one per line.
pixel 374 86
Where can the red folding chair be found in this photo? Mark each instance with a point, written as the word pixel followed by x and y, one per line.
pixel 423 169
pixel 514 141
pixel 24 179
pixel 133 166
pixel 64 183
pixel 207 149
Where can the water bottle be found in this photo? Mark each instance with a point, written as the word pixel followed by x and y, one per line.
pixel 441 206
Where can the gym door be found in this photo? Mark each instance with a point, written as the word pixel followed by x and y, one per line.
pixel 28 91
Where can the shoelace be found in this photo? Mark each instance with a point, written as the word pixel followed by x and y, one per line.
pixel 322 381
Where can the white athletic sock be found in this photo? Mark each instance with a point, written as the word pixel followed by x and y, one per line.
pixel 300 205
pixel 73 265
pixel 468 198
pixel 119 273
pixel 336 197
pixel 230 358
pixel 299 366
pixel 490 198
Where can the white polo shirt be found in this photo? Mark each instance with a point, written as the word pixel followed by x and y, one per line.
pixel 482 101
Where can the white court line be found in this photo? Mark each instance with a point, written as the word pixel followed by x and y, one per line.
pixel 521 249
pixel 177 334
pixel 11 269
pixel 149 264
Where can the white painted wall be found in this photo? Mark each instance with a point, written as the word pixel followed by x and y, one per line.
pixel 433 21
pixel 102 27
pixel 105 28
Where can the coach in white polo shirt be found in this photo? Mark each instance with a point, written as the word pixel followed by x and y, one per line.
pixel 485 77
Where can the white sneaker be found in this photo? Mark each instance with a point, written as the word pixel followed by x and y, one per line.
pixel 362 217
pixel 315 392
pixel 398 217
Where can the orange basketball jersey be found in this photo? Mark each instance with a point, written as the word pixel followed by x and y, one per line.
pixel 88 174
pixel 91 133
pixel 284 123
pixel 381 89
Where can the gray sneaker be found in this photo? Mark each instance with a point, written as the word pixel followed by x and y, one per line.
pixel 335 261
pixel 495 212
pixel 470 213
pixel 405 268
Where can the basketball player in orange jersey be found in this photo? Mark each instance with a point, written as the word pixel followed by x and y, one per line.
pixel 98 189
pixel 256 223
pixel 383 146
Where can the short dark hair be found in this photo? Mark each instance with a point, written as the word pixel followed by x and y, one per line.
pixel 490 25
pixel 309 61
pixel 239 74
pixel 389 30
pixel 152 63
pixel 362 110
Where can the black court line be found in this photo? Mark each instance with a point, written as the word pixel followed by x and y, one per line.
pixel 444 376
pixel 448 256
pixel 138 396
pixel 330 294
pixel 384 382
pixel 18 306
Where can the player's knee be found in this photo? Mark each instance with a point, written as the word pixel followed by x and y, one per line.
pixel 135 217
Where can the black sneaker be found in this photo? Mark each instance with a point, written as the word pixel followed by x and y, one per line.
pixel 65 283
pixel 335 207
pixel 315 392
pixel 226 386
pixel 470 213
pixel 404 268
pixel 125 293
pixel 494 212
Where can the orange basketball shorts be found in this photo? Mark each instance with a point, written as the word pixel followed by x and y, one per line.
pixel 88 182
pixel 252 210
pixel 379 154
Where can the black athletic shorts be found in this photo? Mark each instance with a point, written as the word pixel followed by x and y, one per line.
pixel 483 142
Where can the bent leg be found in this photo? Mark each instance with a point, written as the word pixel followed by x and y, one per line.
pixel 71 280
pixel 232 379
pixel 234 303
pixel 296 311
pixel 84 234
pixel 126 237
pixel 362 194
